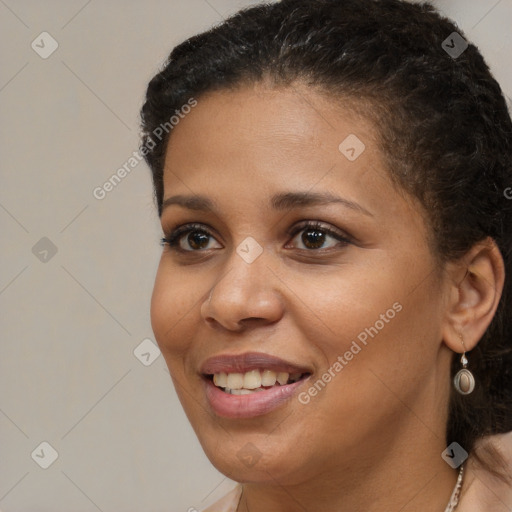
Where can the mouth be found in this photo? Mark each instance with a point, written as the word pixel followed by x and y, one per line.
pixel 250 384
pixel 253 381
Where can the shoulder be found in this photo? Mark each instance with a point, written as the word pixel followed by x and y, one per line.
pixel 482 491
pixel 228 503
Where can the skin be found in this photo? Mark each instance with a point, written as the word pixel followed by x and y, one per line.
pixel 371 439
pixel 483 490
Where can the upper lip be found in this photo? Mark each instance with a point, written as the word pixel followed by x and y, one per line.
pixel 241 363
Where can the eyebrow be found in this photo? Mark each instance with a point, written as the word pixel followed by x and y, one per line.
pixel 280 202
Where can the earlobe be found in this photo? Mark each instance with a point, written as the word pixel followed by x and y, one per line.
pixel 476 286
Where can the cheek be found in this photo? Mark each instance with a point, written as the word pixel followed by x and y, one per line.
pixel 377 351
pixel 338 307
pixel 374 320
pixel 174 302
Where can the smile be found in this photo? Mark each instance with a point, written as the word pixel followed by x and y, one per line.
pixel 253 381
pixel 251 384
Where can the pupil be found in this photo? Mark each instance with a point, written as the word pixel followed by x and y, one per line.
pixel 197 240
pixel 313 239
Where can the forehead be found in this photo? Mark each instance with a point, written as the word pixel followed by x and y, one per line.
pixel 256 141
pixel 265 127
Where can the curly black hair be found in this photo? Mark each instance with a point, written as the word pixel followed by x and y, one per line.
pixel 444 128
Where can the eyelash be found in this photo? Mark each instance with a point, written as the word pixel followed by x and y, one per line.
pixel 174 237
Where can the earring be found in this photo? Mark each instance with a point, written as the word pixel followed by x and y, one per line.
pixel 464 381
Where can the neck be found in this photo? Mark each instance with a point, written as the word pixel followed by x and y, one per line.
pixel 412 478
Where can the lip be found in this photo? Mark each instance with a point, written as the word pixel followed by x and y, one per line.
pixel 250 406
pixel 241 363
pixel 257 403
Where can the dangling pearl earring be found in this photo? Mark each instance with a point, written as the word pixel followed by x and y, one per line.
pixel 464 381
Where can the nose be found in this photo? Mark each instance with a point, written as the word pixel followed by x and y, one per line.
pixel 246 294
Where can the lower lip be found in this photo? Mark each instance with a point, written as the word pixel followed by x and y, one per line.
pixel 249 406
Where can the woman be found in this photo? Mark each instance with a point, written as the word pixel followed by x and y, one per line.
pixel 333 299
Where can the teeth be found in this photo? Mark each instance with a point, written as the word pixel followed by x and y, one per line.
pixel 241 392
pixel 282 378
pixel 268 378
pixel 253 380
pixel 235 380
pixel 220 380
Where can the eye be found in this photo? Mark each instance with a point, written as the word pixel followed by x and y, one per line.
pixel 314 235
pixel 197 238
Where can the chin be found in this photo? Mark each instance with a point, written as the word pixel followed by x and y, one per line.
pixel 248 460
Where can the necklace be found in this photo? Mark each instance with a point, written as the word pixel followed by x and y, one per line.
pixel 452 504
pixel 454 499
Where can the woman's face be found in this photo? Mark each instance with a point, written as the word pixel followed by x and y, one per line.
pixel 353 305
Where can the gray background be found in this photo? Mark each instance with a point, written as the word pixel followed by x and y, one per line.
pixel 71 321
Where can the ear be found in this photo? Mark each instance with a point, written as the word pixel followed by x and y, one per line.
pixel 475 288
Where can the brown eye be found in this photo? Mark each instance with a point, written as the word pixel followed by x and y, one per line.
pixel 313 238
pixel 189 238
pixel 316 236
pixel 197 240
